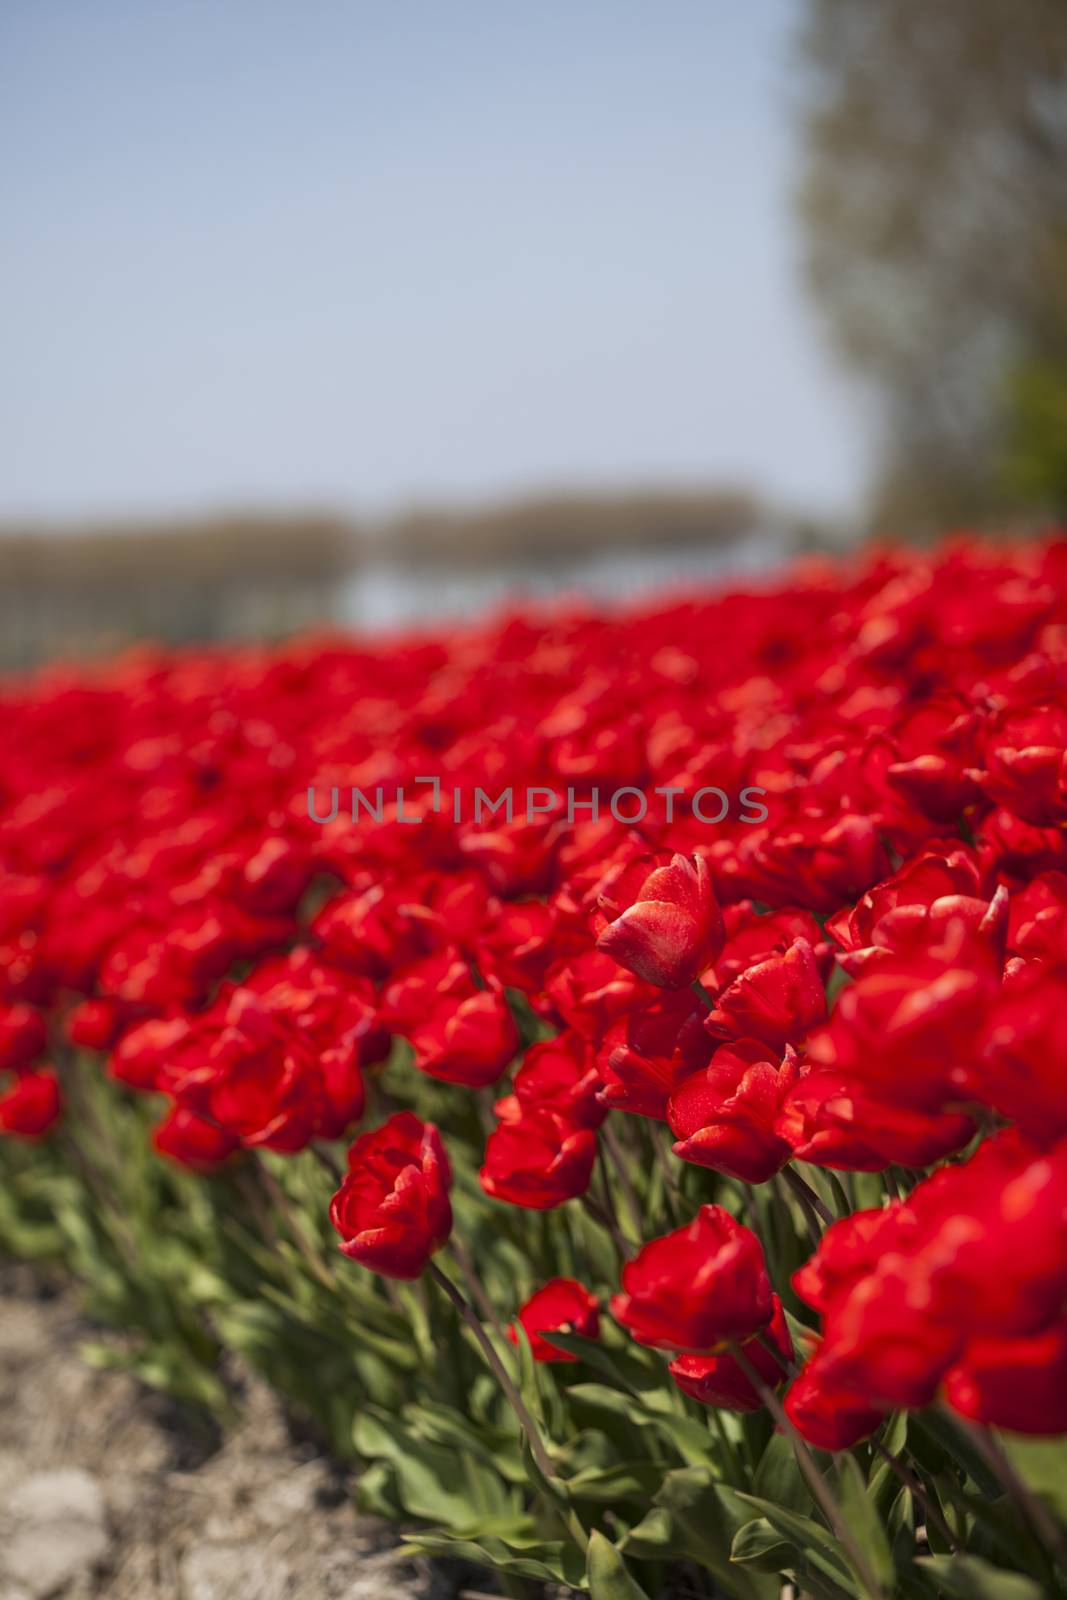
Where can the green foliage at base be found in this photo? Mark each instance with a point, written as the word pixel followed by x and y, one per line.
pixel 203 1275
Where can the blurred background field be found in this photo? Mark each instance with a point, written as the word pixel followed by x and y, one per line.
pixel 329 316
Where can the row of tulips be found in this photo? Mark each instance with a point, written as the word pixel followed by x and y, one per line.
pixel 712 1176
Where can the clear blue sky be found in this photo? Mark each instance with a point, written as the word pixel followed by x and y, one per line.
pixel 360 253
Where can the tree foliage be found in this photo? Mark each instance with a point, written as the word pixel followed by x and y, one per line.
pixel 934 200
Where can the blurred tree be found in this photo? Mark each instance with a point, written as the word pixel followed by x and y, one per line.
pixel 935 207
pixel 1035 456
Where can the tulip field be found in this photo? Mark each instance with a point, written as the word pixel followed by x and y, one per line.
pixel 606 1071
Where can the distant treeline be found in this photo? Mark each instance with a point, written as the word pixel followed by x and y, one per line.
pixel 228 548
pixel 550 526
pixel 554 527
pixel 77 590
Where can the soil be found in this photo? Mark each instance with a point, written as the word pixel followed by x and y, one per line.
pixel 108 1491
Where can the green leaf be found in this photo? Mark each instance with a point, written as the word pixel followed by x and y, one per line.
pixel 954 1441
pixel 704 1518
pixel 1001 1536
pixel 493 1447
pixel 760 1545
pixel 375 1492
pixel 820 1546
pixel 623 1480
pixel 970 1578
pixel 439 1484
pixel 606 1572
pixel 898 1519
pixel 779 1479
pixel 692 1441
pixel 604 1398
pixel 1042 1465
pixel 895 1436
pixel 653 1537
pixel 628 1369
pixel 545 1561
pixel 863 1519
pixel 529 1381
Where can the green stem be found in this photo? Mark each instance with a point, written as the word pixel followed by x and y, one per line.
pixel 788 1367
pixel 812 1476
pixel 629 1193
pixel 672 1193
pixel 807 1195
pixel 602 1218
pixel 278 1198
pixel 808 1210
pixel 112 1214
pixel 511 1394
pixel 741 1475
pixel 892 1187
pixel 918 1493
pixel 328 1162
pixel 476 1288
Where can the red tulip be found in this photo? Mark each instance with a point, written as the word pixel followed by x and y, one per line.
pixel 392 1210
pixel 259 1079
pixel 192 1142
pixel 936 743
pixel 538 1159
pixel 849 1249
pixel 753 936
pixel 460 1033
pixel 1016 1383
pixel 976 1252
pixel 645 1056
pixel 96 1024
pixel 23 1036
pixel 369 932
pixel 665 924
pixel 834 1120
pixel 519 943
pixel 724 1116
pixel 31 1105
pixel 897 1056
pixel 937 873
pixel 828 1416
pixel 933 902
pixel 812 861
pixel 562 1305
pixel 1039 919
pixel 719 1380
pixel 1026 763
pixel 777 1001
pixel 468 1041
pixel 880 1342
pixel 589 992
pixel 1019 1071
pixel 698 1288
pixel 557 1075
